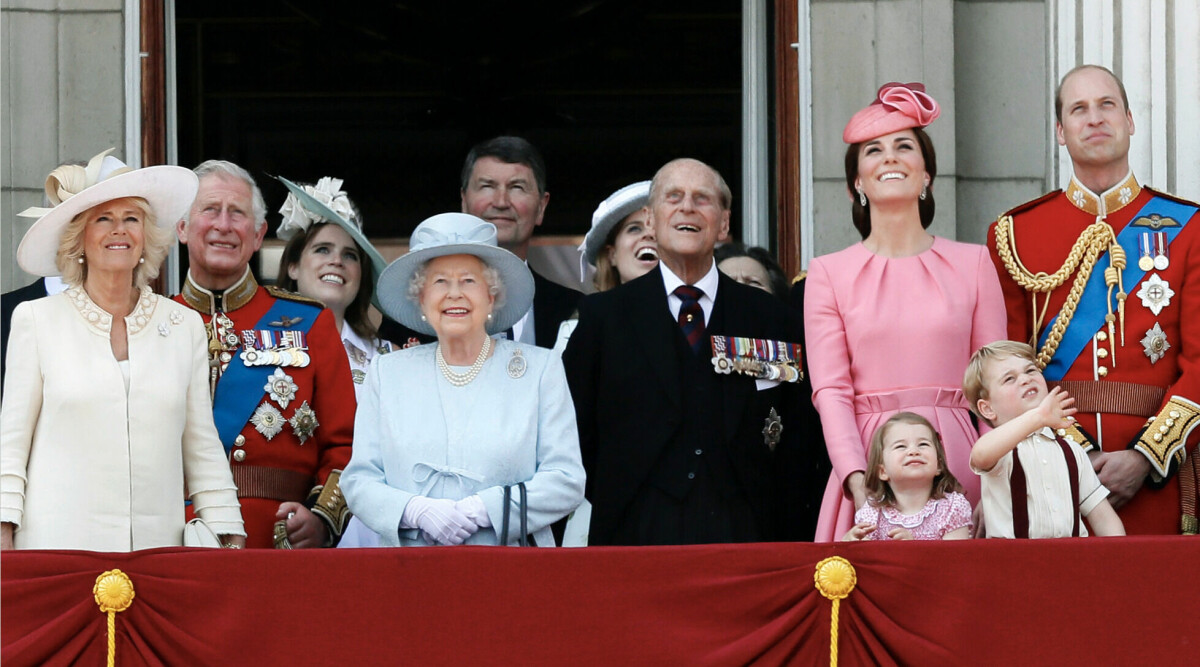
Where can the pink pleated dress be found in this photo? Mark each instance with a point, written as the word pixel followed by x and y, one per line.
pixel 886 335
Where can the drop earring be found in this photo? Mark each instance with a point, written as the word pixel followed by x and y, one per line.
pixel 141 260
pixel 862 198
pixel 924 191
pixel 423 318
pixel 81 259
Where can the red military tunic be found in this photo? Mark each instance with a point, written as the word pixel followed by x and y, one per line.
pixel 1134 392
pixel 269 471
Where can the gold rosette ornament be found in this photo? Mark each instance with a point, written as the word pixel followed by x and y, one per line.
pixel 114 593
pixel 834 578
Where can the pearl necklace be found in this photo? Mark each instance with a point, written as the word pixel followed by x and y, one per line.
pixel 464 379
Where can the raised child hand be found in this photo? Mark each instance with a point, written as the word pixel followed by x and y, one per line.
pixel 1056 409
pixel 858 532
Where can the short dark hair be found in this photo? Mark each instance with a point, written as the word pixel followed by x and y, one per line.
pixel 510 150
pixel 778 281
pixel 1058 103
pixel 862 214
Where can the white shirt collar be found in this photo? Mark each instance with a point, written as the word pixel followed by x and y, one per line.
pixel 707 284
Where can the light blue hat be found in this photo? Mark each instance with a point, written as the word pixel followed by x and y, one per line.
pixel 609 214
pixel 455 234
pixel 302 209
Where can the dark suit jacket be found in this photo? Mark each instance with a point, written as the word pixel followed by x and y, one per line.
pixel 626 383
pixel 552 303
pixel 8 303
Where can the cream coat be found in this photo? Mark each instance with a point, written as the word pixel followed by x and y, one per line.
pixel 83 465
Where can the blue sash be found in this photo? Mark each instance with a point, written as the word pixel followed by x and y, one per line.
pixel 241 385
pixel 1089 315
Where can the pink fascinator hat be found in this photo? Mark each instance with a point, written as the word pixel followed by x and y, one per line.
pixel 897 106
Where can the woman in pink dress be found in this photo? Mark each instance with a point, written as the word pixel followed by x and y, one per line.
pixel 891 322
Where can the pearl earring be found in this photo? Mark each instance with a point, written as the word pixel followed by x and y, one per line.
pixel 489 318
pixel 81 259
pixel 862 198
pixel 141 260
pixel 423 318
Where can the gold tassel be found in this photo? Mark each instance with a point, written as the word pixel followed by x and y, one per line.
pixel 834 578
pixel 114 593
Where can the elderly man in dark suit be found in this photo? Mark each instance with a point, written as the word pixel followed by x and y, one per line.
pixel 679 444
pixel 504 182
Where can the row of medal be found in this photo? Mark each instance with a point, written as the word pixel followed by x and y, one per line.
pixel 759 358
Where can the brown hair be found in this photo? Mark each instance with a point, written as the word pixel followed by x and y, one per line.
pixel 861 215
pixel 974 385
pixel 357 312
pixel 156 244
pixel 878 491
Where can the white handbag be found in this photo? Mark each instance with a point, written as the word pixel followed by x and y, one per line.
pixel 196 533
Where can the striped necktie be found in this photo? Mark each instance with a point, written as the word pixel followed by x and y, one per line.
pixel 691 315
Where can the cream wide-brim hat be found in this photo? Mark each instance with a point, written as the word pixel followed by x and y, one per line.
pixel 455 234
pixel 168 190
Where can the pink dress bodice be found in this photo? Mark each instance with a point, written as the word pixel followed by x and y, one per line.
pixel 938 517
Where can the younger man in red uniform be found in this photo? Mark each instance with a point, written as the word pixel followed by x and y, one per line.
pixel 283 394
pixel 1103 280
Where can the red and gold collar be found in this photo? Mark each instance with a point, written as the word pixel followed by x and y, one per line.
pixel 1111 201
pixel 233 298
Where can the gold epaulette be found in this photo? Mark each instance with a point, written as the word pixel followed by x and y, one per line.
pixel 330 505
pixel 1174 198
pixel 280 293
pixel 800 276
pixel 1030 204
pixel 1075 433
pixel 1166 435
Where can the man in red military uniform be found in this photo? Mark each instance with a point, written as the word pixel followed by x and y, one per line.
pixel 1103 280
pixel 283 395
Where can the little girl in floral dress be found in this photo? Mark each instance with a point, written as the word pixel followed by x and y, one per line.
pixel 911 494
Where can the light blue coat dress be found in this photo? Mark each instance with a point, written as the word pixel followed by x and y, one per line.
pixel 416 434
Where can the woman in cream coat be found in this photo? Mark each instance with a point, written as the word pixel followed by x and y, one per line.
pixel 106 408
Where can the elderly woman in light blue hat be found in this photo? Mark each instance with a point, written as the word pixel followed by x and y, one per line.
pixel 447 433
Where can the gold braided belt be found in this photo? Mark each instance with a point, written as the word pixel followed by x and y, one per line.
pixel 1094 240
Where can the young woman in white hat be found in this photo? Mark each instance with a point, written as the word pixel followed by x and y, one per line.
pixel 444 428
pixel 106 408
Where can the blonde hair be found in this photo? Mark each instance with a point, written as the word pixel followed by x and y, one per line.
pixel 156 243
pixel 878 491
pixel 974 384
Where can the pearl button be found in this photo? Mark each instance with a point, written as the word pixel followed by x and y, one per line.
pixel 699 452
pixel 691 475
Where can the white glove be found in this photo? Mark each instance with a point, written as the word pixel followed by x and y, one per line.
pixel 473 507
pixel 439 520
